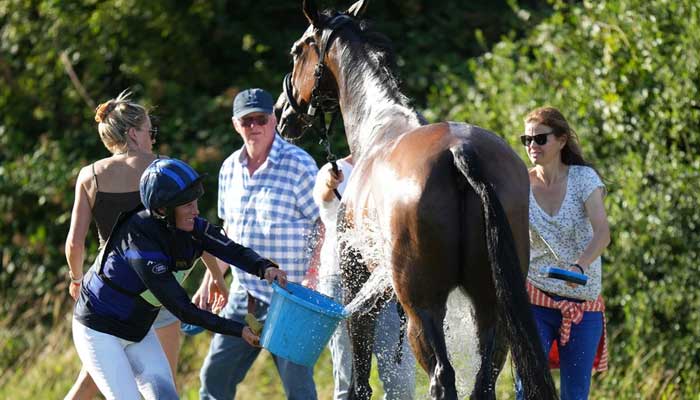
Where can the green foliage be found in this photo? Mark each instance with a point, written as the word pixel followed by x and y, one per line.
pixel 625 73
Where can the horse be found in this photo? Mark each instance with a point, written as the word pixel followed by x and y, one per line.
pixel 448 203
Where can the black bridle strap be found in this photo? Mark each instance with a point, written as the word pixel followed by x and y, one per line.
pixel 327 37
pixel 289 93
pixel 328 34
pixel 315 103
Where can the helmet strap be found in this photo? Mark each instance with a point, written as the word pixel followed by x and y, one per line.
pixel 170 217
pixel 165 214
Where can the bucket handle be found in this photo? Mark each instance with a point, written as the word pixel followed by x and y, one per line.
pixel 274 283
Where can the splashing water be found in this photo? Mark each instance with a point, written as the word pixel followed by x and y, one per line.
pixel 378 283
pixel 312 241
pixel 374 251
pixel 462 341
pixel 459 325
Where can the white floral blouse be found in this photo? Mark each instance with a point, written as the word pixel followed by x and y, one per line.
pixel 567 233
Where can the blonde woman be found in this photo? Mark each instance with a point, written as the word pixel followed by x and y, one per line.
pixel 103 190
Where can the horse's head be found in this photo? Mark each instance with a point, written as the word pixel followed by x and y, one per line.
pixel 311 85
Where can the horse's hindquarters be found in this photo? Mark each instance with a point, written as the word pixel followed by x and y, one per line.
pixel 437 226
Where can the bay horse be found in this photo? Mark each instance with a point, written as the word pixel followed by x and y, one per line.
pixel 449 202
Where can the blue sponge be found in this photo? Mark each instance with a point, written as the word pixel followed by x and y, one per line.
pixel 565 275
pixel 191 330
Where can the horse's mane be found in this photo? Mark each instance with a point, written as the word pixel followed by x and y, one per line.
pixel 381 60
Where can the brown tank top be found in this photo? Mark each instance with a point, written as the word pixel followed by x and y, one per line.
pixel 108 206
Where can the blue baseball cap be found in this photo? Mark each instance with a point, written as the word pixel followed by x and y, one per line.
pixel 250 101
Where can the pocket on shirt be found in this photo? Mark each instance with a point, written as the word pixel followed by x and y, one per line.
pixel 274 204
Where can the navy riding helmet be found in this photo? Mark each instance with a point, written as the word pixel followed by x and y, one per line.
pixel 168 183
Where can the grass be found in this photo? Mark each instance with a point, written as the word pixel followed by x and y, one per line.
pixel 49 368
pixel 50 373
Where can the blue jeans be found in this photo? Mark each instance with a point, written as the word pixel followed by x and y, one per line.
pixel 398 380
pixel 576 358
pixel 230 358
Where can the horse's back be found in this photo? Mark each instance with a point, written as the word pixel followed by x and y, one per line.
pixel 421 152
pixel 501 165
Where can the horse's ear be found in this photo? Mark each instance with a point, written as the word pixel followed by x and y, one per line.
pixel 311 12
pixel 358 9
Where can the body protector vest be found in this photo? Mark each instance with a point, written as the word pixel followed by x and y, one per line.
pixel 141 267
pixel 181 266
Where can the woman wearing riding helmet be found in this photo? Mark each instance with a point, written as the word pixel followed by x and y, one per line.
pixel 141 267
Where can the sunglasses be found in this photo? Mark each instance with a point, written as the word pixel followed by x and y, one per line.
pixel 259 120
pixel 153 132
pixel 155 127
pixel 540 139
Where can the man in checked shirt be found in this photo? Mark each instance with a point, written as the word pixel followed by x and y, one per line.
pixel 266 203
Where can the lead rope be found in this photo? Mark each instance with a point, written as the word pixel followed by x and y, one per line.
pixel 315 104
pixel 326 143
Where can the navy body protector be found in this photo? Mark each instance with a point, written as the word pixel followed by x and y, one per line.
pixel 180 275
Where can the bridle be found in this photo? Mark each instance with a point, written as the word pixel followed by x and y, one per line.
pixel 321 102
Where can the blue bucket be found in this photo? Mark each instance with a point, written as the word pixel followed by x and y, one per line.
pixel 299 323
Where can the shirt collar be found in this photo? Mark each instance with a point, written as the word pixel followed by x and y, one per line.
pixel 273 157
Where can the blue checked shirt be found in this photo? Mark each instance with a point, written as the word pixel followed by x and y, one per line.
pixel 272 211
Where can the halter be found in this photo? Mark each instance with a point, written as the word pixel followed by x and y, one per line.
pixel 320 102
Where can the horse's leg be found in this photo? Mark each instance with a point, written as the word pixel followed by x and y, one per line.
pixel 425 331
pixel 425 319
pixel 477 281
pixel 360 330
pixel 426 269
pixel 360 325
pixel 362 343
pixel 493 348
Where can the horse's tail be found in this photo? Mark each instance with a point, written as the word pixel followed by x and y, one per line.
pixel 512 300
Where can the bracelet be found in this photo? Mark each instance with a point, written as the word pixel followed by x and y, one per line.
pixel 73 280
pixel 580 268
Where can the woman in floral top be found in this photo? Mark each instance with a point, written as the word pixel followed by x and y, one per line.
pixel 568 229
